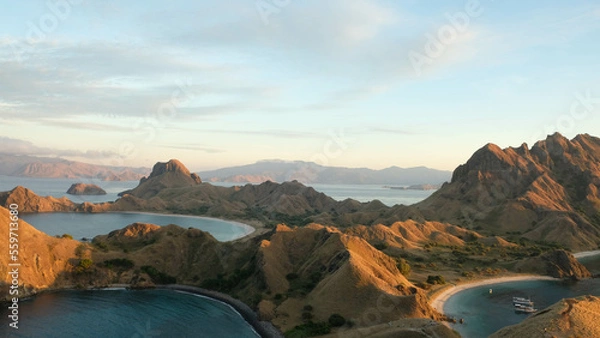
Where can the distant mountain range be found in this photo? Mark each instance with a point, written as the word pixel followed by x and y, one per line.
pixel 48 167
pixel 308 172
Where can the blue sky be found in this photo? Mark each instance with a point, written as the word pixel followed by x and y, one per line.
pixel 353 83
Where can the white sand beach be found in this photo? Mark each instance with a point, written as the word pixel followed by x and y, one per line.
pixel 586 254
pixel 438 301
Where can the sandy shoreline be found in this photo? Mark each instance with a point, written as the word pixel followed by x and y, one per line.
pixel 248 229
pixel 586 254
pixel 263 328
pixel 438 301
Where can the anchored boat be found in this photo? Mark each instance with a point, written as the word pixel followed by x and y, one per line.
pixel 523 305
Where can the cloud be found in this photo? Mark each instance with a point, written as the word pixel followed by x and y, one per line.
pixel 20 147
pixel 278 133
pixel 394 131
pixel 193 147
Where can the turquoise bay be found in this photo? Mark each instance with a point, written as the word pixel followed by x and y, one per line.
pixel 80 225
pixel 125 313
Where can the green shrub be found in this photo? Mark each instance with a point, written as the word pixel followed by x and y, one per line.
pixel 309 329
pixel 403 267
pixel 120 263
pixel 67 236
pixel 86 263
pixel 307 316
pixel 437 279
pixel 336 320
pixel 158 277
pixel 381 246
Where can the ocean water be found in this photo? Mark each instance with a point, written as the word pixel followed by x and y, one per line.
pixel 125 313
pixel 80 225
pixel 57 187
pixel 364 193
pixel 486 313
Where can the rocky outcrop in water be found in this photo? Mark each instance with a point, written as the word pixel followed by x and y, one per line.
pixel 85 189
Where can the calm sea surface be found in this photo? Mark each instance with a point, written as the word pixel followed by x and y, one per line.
pixel 364 193
pixel 58 188
pixel 80 225
pixel 486 313
pixel 123 313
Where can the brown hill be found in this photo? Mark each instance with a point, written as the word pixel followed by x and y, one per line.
pixel 557 263
pixel 411 234
pixel 171 174
pixel 548 193
pixel 43 259
pixel 335 273
pixel 572 317
pixel 28 201
pixel 280 272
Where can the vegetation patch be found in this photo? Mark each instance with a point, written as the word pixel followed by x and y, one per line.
pixel 309 329
pixel 158 277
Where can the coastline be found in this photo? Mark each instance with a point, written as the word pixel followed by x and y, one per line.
pixel 262 328
pixel 584 254
pixel 439 299
pixel 247 227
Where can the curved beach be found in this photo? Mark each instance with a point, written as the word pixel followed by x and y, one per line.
pixel 248 229
pixel 263 328
pixel 439 299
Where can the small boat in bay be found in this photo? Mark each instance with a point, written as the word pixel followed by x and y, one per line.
pixel 523 305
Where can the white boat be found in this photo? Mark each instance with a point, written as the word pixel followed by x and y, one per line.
pixel 523 305
pixel 525 308
pixel 522 301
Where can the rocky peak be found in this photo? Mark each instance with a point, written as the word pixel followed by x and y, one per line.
pixel 172 174
pixel 172 166
pixel 489 158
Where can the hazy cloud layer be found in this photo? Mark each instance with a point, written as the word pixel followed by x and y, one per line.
pixel 20 147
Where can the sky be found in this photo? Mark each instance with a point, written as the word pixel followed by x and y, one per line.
pixel 353 83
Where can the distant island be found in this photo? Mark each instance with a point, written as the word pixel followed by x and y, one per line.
pixel 51 167
pixel 309 173
pixel 417 187
pixel 85 189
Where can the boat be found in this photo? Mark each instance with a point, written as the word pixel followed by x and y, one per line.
pixel 523 305
pixel 522 301
pixel 524 308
